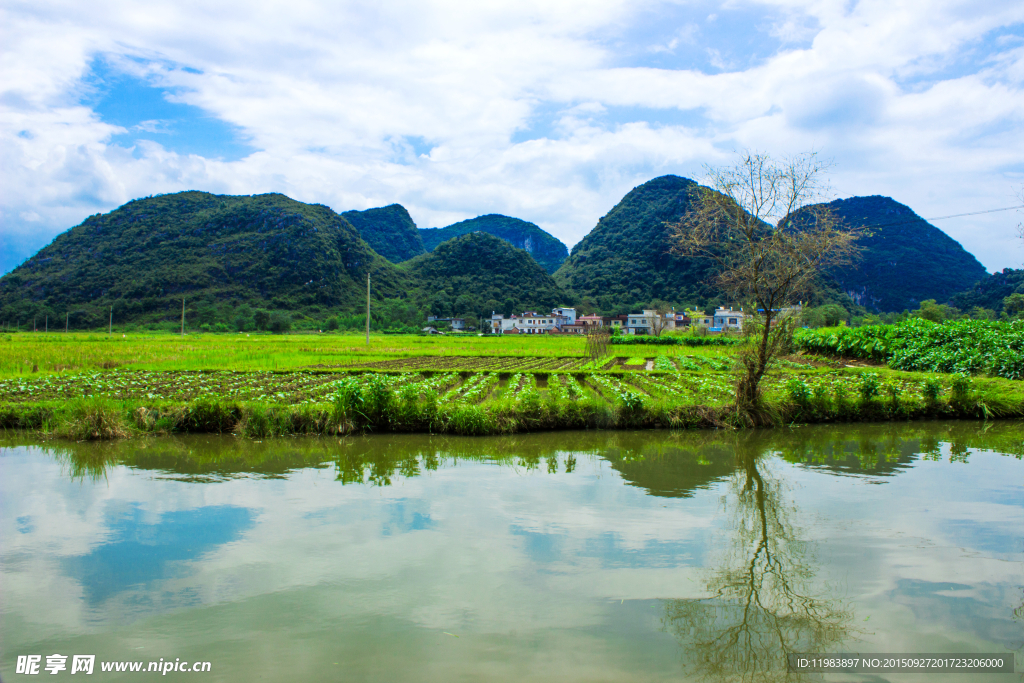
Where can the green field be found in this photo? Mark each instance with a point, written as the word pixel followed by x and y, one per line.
pixel 91 385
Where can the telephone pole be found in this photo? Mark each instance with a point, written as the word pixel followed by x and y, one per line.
pixel 110 323
pixel 66 314
pixel 367 309
pixel 182 316
pixel 47 330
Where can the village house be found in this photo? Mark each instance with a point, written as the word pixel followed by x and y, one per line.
pixel 649 322
pixel 530 322
pixel 456 323
pixel 726 319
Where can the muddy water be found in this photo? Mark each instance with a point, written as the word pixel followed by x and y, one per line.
pixel 571 556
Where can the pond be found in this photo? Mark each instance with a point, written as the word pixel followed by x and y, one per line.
pixel 568 556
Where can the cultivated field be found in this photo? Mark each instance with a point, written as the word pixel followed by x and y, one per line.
pixel 266 384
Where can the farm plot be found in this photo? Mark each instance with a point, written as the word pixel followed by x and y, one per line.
pixel 284 388
pixel 477 364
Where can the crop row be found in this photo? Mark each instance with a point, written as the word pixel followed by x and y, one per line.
pixel 477 363
pixel 961 346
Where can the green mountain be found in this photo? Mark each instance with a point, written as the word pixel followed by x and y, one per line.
pixel 219 252
pixel 389 231
pixel 990 291
pixel 626 260
pixel 546 249
pixel 477 273
pixel 905 259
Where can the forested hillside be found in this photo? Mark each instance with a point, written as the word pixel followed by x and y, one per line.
pixel 546 249
pixel 477 273
pixel 905 259
pixel 990 291
pixel 626 261
pixel 223 254
pixel 389 230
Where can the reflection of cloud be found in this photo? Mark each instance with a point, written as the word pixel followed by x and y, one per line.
pixel 478 549
pixel 137 553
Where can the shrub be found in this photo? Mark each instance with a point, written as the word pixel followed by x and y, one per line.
pixel 869 386
pixel 932 389
pixel 960 388
pixel 799 391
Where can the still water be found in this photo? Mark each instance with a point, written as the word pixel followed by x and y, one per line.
pixel 570 556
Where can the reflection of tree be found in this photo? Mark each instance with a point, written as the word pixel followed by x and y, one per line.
pixel 762 602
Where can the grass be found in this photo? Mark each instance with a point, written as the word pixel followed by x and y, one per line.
pixel 92 387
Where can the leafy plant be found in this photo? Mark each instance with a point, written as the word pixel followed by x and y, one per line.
pixel 798 391
pixel 869 386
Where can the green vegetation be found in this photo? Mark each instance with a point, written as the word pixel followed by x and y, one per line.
pixel 627 262
pixel 961 346
pixel 905 259
pixel 93 386
pixel 475 274
pixel 389 231
pixel 991 292
pixel 676 340
pixel 229 257
pixel 262 263
pixel 546 249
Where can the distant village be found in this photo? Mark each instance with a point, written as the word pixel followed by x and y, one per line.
pixel 565 321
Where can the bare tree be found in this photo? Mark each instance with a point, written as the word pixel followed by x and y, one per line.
pixel 656 320
pixel 597 341
pixel 759 221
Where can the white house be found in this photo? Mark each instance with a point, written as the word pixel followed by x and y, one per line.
pixel 536 323
pixel 531 322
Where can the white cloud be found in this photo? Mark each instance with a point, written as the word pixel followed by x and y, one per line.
pixel 921 100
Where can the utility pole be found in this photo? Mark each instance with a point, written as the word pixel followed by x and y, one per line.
pixel 182 316
pixel 47 324
pixel 66 322
pixel 110 324
pixel 367 309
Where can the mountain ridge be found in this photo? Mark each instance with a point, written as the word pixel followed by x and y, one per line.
pixel 544 247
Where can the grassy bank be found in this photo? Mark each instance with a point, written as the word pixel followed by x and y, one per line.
pixel 102 388
pixel 502 403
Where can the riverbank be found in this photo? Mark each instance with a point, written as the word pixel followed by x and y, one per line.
pixel 107 406
pixel 96 388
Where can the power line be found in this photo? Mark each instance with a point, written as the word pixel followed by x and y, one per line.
pixel 975 213
pixel 917 218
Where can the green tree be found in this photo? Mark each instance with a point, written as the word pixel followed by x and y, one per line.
pixel 280 323
pixel 441 305
pixel 936 312
pixel 261 319
pixel 1013 305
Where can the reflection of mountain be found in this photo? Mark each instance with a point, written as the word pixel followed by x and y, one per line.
pixel 672 471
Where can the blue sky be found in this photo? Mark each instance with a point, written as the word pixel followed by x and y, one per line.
pixel 549 112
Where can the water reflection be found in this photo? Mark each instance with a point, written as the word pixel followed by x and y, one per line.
pixel 559 556
pixel 674 464
pixel 764 601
